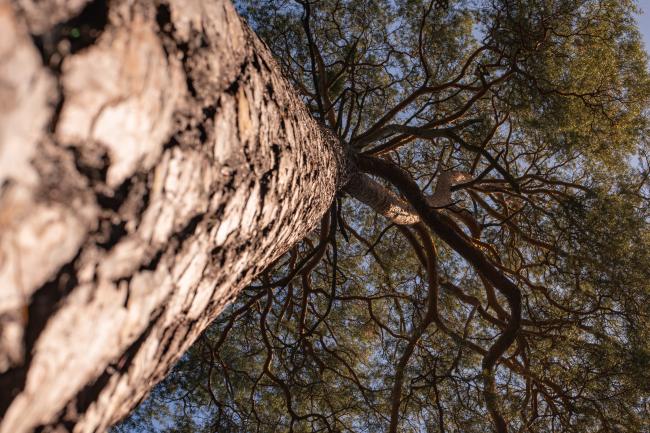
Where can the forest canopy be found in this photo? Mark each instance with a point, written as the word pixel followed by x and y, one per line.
pixel 485 268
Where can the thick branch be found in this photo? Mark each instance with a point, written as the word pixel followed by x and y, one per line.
pixel 475 257
pixel 385 202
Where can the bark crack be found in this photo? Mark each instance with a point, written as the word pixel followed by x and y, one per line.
pixel 43 304
pixel 73 35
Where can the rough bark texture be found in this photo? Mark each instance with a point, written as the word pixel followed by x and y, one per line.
pixel 152 162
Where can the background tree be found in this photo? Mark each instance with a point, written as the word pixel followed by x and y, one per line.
pixel 505 284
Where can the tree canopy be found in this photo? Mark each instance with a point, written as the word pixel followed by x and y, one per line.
pixel 515 296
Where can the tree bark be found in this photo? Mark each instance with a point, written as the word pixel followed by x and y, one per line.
pixel 152 162
pixel 397 210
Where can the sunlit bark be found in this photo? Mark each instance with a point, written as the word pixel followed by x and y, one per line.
pixel 153 161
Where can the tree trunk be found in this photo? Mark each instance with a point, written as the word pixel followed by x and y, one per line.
pixel 152 162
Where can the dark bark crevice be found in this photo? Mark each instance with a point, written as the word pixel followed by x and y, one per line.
pixel 73 35
pixel 43 304
pixel 93 167
pixel 179 238
pixel 68 38
pixel 167 29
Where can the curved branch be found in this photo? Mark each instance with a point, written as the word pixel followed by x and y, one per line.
pixel 475 257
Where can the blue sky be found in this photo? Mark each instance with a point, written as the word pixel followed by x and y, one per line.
pixel 644 22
